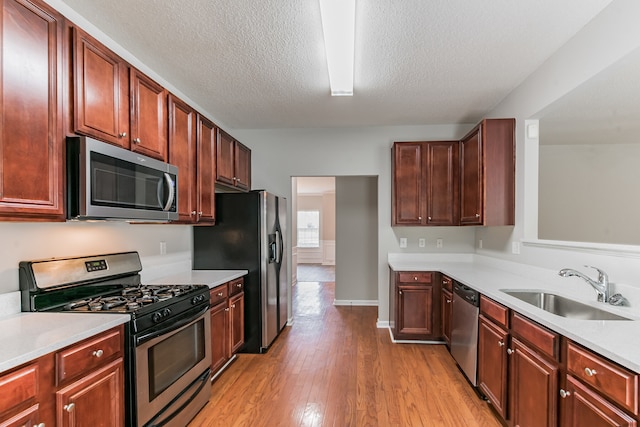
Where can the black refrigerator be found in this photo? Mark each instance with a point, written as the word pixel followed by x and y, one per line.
pixel 250 234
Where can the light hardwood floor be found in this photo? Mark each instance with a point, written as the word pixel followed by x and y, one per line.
pixel 333 367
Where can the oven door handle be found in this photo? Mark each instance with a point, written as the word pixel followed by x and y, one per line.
pixel 174 325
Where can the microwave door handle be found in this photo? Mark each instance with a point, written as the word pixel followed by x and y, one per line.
pixel 172 192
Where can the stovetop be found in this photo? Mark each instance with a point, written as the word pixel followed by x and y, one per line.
pixel 132 299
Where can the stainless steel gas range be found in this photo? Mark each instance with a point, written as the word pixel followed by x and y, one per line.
pixel 168 340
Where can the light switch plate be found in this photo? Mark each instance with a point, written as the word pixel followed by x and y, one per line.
pixel 403 242
pixel 515 247
pixel 421 243
pixel 439 243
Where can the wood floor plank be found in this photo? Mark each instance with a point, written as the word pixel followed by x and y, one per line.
pixel 333 367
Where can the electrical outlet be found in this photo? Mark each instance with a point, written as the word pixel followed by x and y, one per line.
pixel 163 248
pixel 515 247
pixel 421 243
pixel 480 243
pixel 439 243
pixel 403 242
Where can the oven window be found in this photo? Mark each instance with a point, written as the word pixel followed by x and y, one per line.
pixel 173 357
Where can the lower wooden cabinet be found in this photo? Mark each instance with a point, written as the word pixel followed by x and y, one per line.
pixel 227 322
pixel 79 385
pixel 415 299
pixel 493 364
pixel 96 399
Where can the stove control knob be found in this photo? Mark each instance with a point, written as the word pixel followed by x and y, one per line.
pixel 166 312
pixel 157 317
pixel 197 299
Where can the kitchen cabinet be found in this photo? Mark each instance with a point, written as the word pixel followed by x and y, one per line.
pixel 32 136
pixel 487 164
pixel 90 381
pixel 417 314
pixel 425 183
pixel 233 161
pixel 446 309
pixel 597 392
pixel 148 102
pixel 493 342
pixel 206 170
pixel 79 385
pixel 227 323
pixel 116 103
pixel 101 91
pixel 19 397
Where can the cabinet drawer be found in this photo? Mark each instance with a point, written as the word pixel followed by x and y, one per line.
pixel 415 277
pixel 219 294
pixel 447 283
pixel 88 355
pixel 236 286
pixel 615 382
pixel 540 337
pixel 494 311
pixel 18 387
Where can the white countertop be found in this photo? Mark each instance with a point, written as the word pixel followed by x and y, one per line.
pixel 211 278
pixel 27 336
pixel 614 339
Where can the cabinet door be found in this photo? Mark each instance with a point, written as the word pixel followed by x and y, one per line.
pixel 415 311
pixel 206 137
pixel 446 306
pixel 182 153
pixel 236 304
pixel 471 185
pixel 408 191
pixel 224 158
pixel 148 116
pixel 220 348
pixel 534 388
pixel 492 364
pixel 32 136
pixel 95 400
pixel 442 183
pixel 101 91
pixel 583 407
pixel 242 166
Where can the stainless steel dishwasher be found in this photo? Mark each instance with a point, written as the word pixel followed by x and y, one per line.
pixel 464 330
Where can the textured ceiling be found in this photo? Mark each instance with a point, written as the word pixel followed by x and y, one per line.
pixel 260 64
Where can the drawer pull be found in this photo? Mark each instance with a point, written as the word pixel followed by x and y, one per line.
pixel 448 301
pixel 590 372
pixel 40 425
pixel 239 285
pixel 98 353
pixel 510 351
pixel 564 394
pixel 500 343
pixel 69 407
pixel 415 278
pixel 220 294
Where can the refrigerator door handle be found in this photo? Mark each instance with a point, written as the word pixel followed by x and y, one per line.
pixel 278 254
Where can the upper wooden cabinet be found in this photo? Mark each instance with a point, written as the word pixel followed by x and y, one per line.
pixel 233 162
pixel 148 116
pixel 100 91
pixel 487 178
pixel 206 167
pixel 116 103
pixel 425 183
pixel 32 135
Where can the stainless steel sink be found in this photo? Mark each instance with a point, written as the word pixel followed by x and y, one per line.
pixel 562 306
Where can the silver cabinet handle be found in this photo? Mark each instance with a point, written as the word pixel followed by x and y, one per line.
pixel 400 292
pixel 233 306
pixel 510 352
pixel 70 407
pixel 136 140
pixel 429 218
pixel 193 213
pixel 98 353
pixel 420 218
pixel 448 301
pixel 226 309
pixel 122 135
pixel 564 394
pixel 477 215
pixel 590 372
pixel 220 294
pixel 415 278
pixel 199 213
pixel 500 343
pixel 40 425
pixel 238 285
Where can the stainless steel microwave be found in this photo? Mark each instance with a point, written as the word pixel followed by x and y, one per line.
pixel 109 182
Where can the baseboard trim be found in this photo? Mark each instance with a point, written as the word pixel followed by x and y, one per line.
pixel 365 303
pixel 395 341
pixel 382 324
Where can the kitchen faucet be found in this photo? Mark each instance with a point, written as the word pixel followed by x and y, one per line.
pixel 601 286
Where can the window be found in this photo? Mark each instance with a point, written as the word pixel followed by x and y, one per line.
pixel 308 229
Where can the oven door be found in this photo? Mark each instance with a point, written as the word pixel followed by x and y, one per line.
pixel 172 369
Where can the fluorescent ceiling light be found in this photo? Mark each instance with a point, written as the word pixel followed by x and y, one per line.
pixel 338 26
